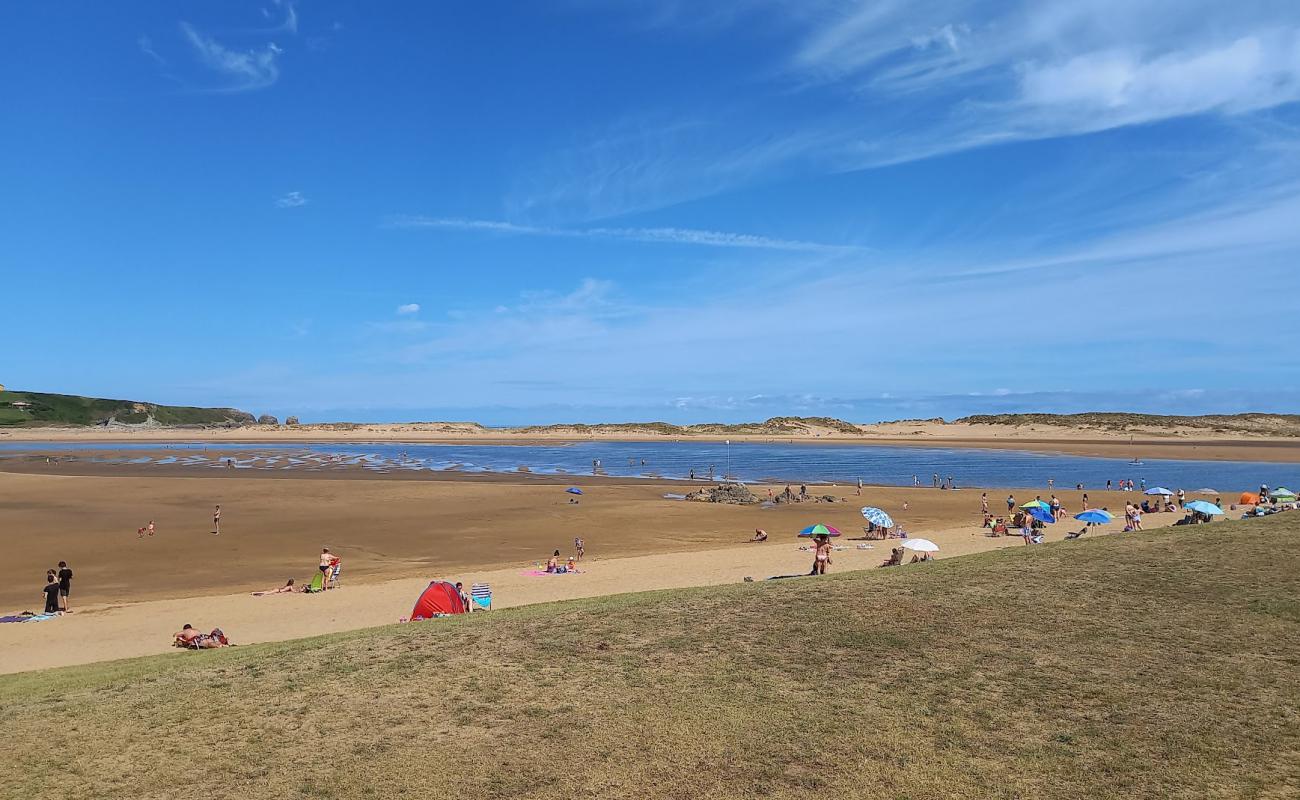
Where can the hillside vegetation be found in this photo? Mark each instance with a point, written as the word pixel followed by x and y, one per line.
pixel 31 409
pixel 1259 424
pixel 1145 665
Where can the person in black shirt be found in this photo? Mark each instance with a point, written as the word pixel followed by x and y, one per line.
pixel 51 594
pixel 65 584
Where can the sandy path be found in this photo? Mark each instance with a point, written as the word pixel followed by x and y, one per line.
pixel 99 633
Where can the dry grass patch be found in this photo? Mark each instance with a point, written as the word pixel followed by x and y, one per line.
pixel 1125 667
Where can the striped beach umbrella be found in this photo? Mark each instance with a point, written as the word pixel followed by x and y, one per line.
pixel 819 530
pixel 877 517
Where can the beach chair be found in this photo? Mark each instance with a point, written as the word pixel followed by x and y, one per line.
pixel 334 574
pixel 480 597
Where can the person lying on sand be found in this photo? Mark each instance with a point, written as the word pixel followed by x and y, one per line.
pixel 285 589
pixel 190 638
pixel 760 535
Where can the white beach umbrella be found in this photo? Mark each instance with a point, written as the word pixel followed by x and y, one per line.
pixel 921 545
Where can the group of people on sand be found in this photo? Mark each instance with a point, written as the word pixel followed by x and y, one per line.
pixel 58 584
pixel 329 566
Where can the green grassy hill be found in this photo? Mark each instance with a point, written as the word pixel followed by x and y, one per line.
pixel 1261 424
pixel 32 409
pixel 1159 665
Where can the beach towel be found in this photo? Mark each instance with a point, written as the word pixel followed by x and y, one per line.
pixel 27 617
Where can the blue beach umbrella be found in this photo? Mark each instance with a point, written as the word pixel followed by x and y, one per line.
pixel 573 490
pixel 1095 516
pixel 1205 507
pixel 877 517
pixel 1159 490
pixel 1042 515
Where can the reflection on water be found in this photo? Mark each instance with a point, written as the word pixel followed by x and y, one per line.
pixel 679 460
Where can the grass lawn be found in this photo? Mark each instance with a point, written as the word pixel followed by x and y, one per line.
pixel 1146 665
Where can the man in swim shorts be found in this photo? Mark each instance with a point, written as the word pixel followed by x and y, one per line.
pixel 65 584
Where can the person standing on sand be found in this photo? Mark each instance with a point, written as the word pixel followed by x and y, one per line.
pixel 859 486
pixel 821 555
pixel 65 584
pixel 326 561
pixel 984 504
pixel 216 521
pixel 579 547
pixel 1085 501
pixel 1011 503
pixel 150 528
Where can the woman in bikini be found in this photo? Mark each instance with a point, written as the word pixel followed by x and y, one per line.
pixel 553 565
pixel 822 559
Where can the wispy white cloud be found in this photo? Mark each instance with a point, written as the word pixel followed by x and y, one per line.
pixel 146 47
pixel 870 83
pixel 291 200
pixel 241 70
pixel 681 236
pixel 409 308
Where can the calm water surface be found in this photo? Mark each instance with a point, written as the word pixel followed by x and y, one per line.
pixel 747 461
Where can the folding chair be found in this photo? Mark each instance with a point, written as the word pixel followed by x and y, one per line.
pixel 481 597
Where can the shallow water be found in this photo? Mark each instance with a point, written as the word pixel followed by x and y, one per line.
pixel 674 460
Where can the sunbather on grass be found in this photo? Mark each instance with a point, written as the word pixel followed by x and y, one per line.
pixel 192 639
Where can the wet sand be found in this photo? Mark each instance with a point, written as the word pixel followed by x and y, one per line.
pixel 393 536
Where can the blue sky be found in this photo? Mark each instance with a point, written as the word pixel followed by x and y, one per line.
pixel 534 212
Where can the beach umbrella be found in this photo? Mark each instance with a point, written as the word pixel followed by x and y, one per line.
pixel 877 517
pixel 1042 515
pixel 573 490
pixel 920 545
pixel 1032 504
pixel 1094 515
pixel 1159 490
pixel 819 530
pixel 1204 506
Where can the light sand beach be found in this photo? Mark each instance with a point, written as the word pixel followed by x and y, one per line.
pixel 1170 442
pixel 131 593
